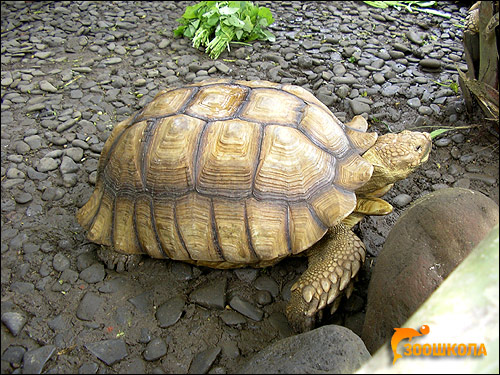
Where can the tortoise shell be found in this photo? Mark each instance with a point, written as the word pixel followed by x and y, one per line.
pixel 226 173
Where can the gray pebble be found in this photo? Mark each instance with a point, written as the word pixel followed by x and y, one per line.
pixel 58 323
pixel 490 180
pixel 202 361
pixel 415 37
pixel 142 302
pixel 265 282
pixel 14 321
pixel 47 86
pixel 47 164
pixel 14 355
pixel 156 349
pixel 68 165
pixel 359 107
pixel 431 65
pixel 88 368
pixel 34 175
pixel 81 144
pixel 462 183
pixel 222 67
pixel 93 274
pixel 442 142
pixel 246 308
pixel 414 102
pixel 113 61
pixel 232 317
pixel 108 351
pixel 53 194
pixel 401 200
pixel 22 287
pixel 35 359
pixel 170 312
pixel 390 90
pixel 88 306
pixel 458 138
pixel 247 275
pixel 212 295
pixel 424 110
pixel 34 141
pixel 263 297
pixel 23 197
pixel 378 78
pixel 60 262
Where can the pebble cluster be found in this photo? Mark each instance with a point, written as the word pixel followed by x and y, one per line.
pixel 72 70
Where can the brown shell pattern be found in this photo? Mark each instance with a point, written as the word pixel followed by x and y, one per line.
pixel 226 173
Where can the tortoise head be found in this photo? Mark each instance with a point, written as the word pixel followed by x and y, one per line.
pixel 395 156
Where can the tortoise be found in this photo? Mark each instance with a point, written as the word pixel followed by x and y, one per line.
pixel 229 173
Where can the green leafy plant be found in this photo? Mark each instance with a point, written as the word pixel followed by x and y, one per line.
pixel 214 24
pixel 420 6
pixel 448 83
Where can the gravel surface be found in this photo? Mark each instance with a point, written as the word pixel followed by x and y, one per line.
pixel 72 70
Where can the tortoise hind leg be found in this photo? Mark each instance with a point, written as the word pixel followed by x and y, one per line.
pixel 333 262
pixel 118 261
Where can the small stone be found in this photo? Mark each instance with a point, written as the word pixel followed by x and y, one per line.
pixel 108 351
pixel 212 295
pixel 442 142
pixel 15 173
pixel 60 262
pixel 246 308
pixel 88 306
pixel 47 86
pixel 232 317
pixel 430 64
pixel 265 282
pixel 359 107
pixel 93 274
pixel 170 312
pixel 14 321
pixel 23 197
pixel 414 102
pixel 47 164
pixel 113 60
pixel 14 355
pixel 68 165
pixel 202 361
pixel 156 349
pixel 35 359
pixel 401 200
pixel 88 368
pixel 378 78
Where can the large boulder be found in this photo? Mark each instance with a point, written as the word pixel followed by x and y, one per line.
pixel 328 349
pixel 425 245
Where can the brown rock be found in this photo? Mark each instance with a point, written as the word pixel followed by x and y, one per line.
pixel 427 242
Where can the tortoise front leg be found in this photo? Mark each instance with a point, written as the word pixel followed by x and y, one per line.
pixel 333 262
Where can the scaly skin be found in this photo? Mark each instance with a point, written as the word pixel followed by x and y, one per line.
pixel 333 262
pixel 337 257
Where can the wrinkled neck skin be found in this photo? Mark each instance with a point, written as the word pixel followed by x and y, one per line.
pixel 383 177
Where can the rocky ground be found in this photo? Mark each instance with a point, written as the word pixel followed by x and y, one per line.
pixel 71 70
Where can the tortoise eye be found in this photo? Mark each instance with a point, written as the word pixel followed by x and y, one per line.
pixel 419 148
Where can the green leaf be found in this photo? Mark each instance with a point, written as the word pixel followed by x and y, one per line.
pixel 269 36
pixel 215 24
pixel 437 132
pixel 228 11
pixel 266 13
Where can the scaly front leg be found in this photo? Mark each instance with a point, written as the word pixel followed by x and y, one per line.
pixel 333 262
